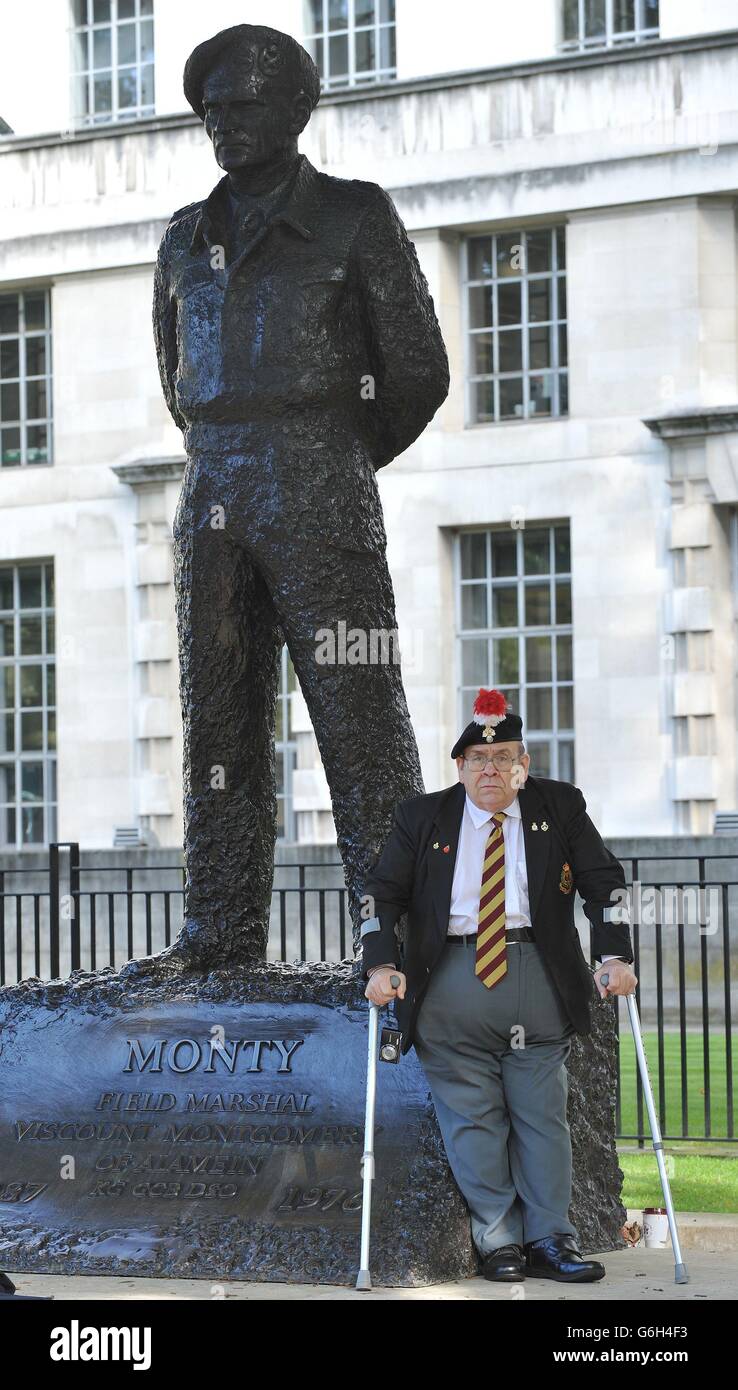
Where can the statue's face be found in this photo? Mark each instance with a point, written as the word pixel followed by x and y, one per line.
pixel 251 111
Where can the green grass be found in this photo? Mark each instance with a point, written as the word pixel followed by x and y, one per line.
pixel 695 1086
pixel 697 1183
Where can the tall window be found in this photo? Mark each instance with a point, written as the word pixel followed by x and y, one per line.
pixel 351 41
pixel 515 634
pixel 608 23
pixel 25 378
pixel 112 60
pixel 516 325
pixel 285 751
pixel 27 705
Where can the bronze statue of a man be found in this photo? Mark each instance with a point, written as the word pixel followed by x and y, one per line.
pixel 299 352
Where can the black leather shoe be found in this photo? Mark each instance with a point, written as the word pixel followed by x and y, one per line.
pixel 508 1263
pixel 557 1257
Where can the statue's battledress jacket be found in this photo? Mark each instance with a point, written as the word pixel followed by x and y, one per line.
pixel 325 294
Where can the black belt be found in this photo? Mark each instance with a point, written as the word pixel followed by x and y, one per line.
pixel 514 934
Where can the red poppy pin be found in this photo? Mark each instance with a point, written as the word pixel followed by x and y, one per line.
pixel 446 849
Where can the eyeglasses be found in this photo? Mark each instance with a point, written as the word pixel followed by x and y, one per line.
pixel 502 761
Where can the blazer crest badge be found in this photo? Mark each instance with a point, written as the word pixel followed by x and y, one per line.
pixel 566 882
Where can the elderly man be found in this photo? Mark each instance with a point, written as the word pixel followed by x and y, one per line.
pixel 494 984
pixel 299 352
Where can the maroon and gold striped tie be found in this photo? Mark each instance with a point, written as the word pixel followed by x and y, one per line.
pixel 491 962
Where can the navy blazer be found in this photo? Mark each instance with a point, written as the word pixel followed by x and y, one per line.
pixel 412 876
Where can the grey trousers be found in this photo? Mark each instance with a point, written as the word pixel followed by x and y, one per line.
pixel 495 1062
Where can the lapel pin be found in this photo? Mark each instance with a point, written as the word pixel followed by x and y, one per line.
pixel 534 826
pixel 446 849
pixel 436 845
pixel 544 825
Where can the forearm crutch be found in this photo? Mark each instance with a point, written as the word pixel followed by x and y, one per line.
pixel 363 1280
pixel 680 1269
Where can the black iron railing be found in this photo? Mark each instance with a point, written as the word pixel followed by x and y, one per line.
pixel 70 916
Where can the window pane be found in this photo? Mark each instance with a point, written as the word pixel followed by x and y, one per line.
pixel 101 11
pixel 504 554
pixel 79 12
pixel 34 308
pixel 473 555
pixel 480 258
pixel 36 400
pixel 623 16
pixel 127 89
pixel 540 758
pixel 563 658
pixel 566 707
pixel 562 554
pixel 338 56
pixel 10 447
pixel 511 398
pixel 509 259
pixel 6 588
pixel 480 307
pixel 7 637
pixel 510 344
pixel 9 358
pixel 9 313
pixel 509 303
pixel 506 661
pixel 7 782
pixel 102 95
pixel 561 247
pixel 538 659
pixel 30 636
pixel 563 602
pixel 483 398
pixel 483 363
pixel 539 347
pixel 38 451
pixel 126 9
pixel 147 42
pixel 364 11
pixel 30 587
pixel 32 732
pixel 126 43
pixel 537 605
pixel 314 19
pixel 365 56
pixel 474 663
pixel 474 606
pixel 147 85
pixel 337 14
pixel 566 762
pixel 594 18
pixel 102 49
pixel 541 397
pixel 571 19
pixel 536 552
pixel 32 825
pixel 505 606
pixel 35 356
pixel 540 709
pixel 538 251
pixel 10 403
pixel 539 300
pixel 31 685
